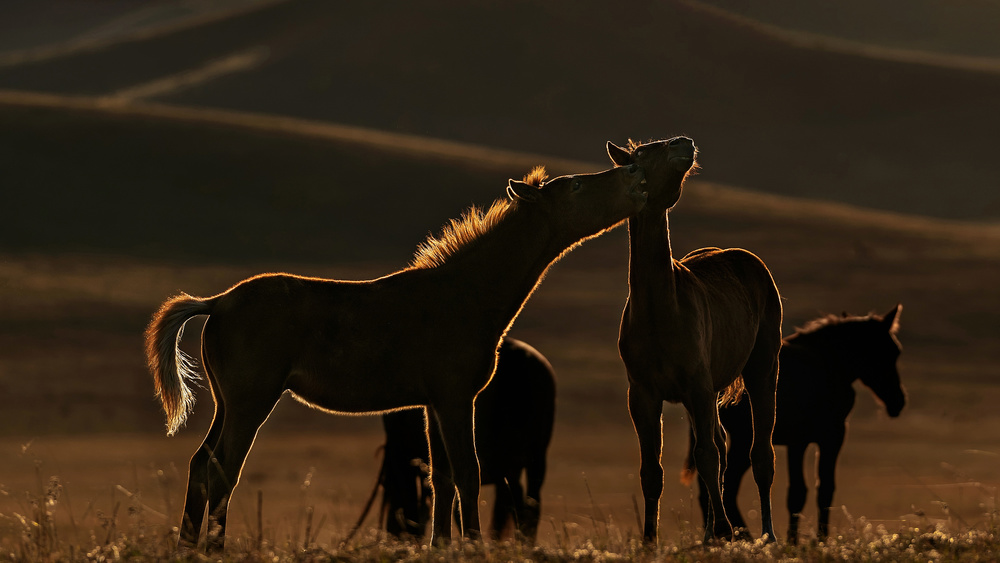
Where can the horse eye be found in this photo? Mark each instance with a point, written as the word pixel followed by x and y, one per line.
pixel 577 184
pixel 638 154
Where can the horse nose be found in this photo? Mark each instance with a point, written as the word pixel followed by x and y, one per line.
pixel 633 168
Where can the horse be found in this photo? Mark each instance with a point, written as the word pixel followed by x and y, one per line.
pixel 514 419
pixel 819 364
pixel 692 328
pixel 426 335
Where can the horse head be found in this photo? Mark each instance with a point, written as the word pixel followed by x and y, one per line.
pixel 667 164
pixel 880 356
pixel 582 205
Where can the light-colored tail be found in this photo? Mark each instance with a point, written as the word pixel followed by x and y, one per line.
pixel 171 367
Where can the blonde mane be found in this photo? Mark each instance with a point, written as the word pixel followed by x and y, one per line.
pixel 458 233
pixel 536 177
pixel 474 223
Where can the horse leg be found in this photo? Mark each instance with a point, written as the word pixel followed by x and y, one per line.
pixel 509 507
pixel 503 507
pixel 720 443
pixel 737 419
pixel 442 482
pixel 243 420
pixel 646 412
pixel 519 511
pixel 760 378
pixel 796 489
pixel 531 514
pixel 196 499
pixel 829 450
pixel 459 444
pixel 705 419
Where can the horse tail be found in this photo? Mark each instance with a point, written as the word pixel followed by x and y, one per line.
pixel 689 470
pixel 171 367
pixel 732 394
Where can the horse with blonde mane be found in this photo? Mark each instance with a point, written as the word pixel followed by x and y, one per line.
pixel 426 335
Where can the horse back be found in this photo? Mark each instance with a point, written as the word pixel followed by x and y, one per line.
pixel 319 338
pixel 732 269
pixel 734 292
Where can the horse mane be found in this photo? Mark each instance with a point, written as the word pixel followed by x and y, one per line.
pixel 458 233
pixel 474 223
pixel 829 320
pixel 536 177
pixel 820 323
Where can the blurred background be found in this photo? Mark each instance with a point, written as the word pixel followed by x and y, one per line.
pixel 148 148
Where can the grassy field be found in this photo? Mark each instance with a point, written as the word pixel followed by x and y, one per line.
pixel 110 207
pixel 78 406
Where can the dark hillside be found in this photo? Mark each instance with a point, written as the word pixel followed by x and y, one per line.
pixel 563 77
pixel 83 181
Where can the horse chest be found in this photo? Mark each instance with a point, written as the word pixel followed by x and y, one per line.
pixel 809 410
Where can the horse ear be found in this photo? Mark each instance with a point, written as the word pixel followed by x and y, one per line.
pixel 517 190
pixel 619 156
pixel 891 319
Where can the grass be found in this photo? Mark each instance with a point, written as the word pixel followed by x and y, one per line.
pixel 85 499
pixel 72 378
pixel 42 524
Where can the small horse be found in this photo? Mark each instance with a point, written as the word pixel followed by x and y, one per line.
pixel 514 419
pixel 692 328
pixel 426 335
pixel 819 364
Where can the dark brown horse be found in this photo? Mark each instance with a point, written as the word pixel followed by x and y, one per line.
pixel 692 328
pixel 514 418
pixel 819 364
pixel 426 335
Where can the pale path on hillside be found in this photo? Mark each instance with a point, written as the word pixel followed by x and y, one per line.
pixel 719 197
pixel 237 62
pixel 396 142
pixel 808 40
pixel 141 24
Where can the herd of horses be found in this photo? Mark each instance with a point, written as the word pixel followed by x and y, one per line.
pixel 703 331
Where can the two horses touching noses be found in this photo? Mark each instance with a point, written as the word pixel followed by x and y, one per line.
pixel 329 344
pixel 699 331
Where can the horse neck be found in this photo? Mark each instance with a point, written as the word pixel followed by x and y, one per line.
pixel 499 270
pixel 651 267
pixel 827 350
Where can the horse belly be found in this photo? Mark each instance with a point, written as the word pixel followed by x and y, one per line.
pixel 355 392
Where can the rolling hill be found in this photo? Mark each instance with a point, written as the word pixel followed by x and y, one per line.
pixel 330 138
pixel 561 78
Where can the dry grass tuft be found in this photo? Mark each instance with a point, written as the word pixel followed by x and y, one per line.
pixel 38 530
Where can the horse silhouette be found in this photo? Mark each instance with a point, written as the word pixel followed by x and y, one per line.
pixel 514 419
pixel 692 328
pixel 819 364
pixel 426 335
